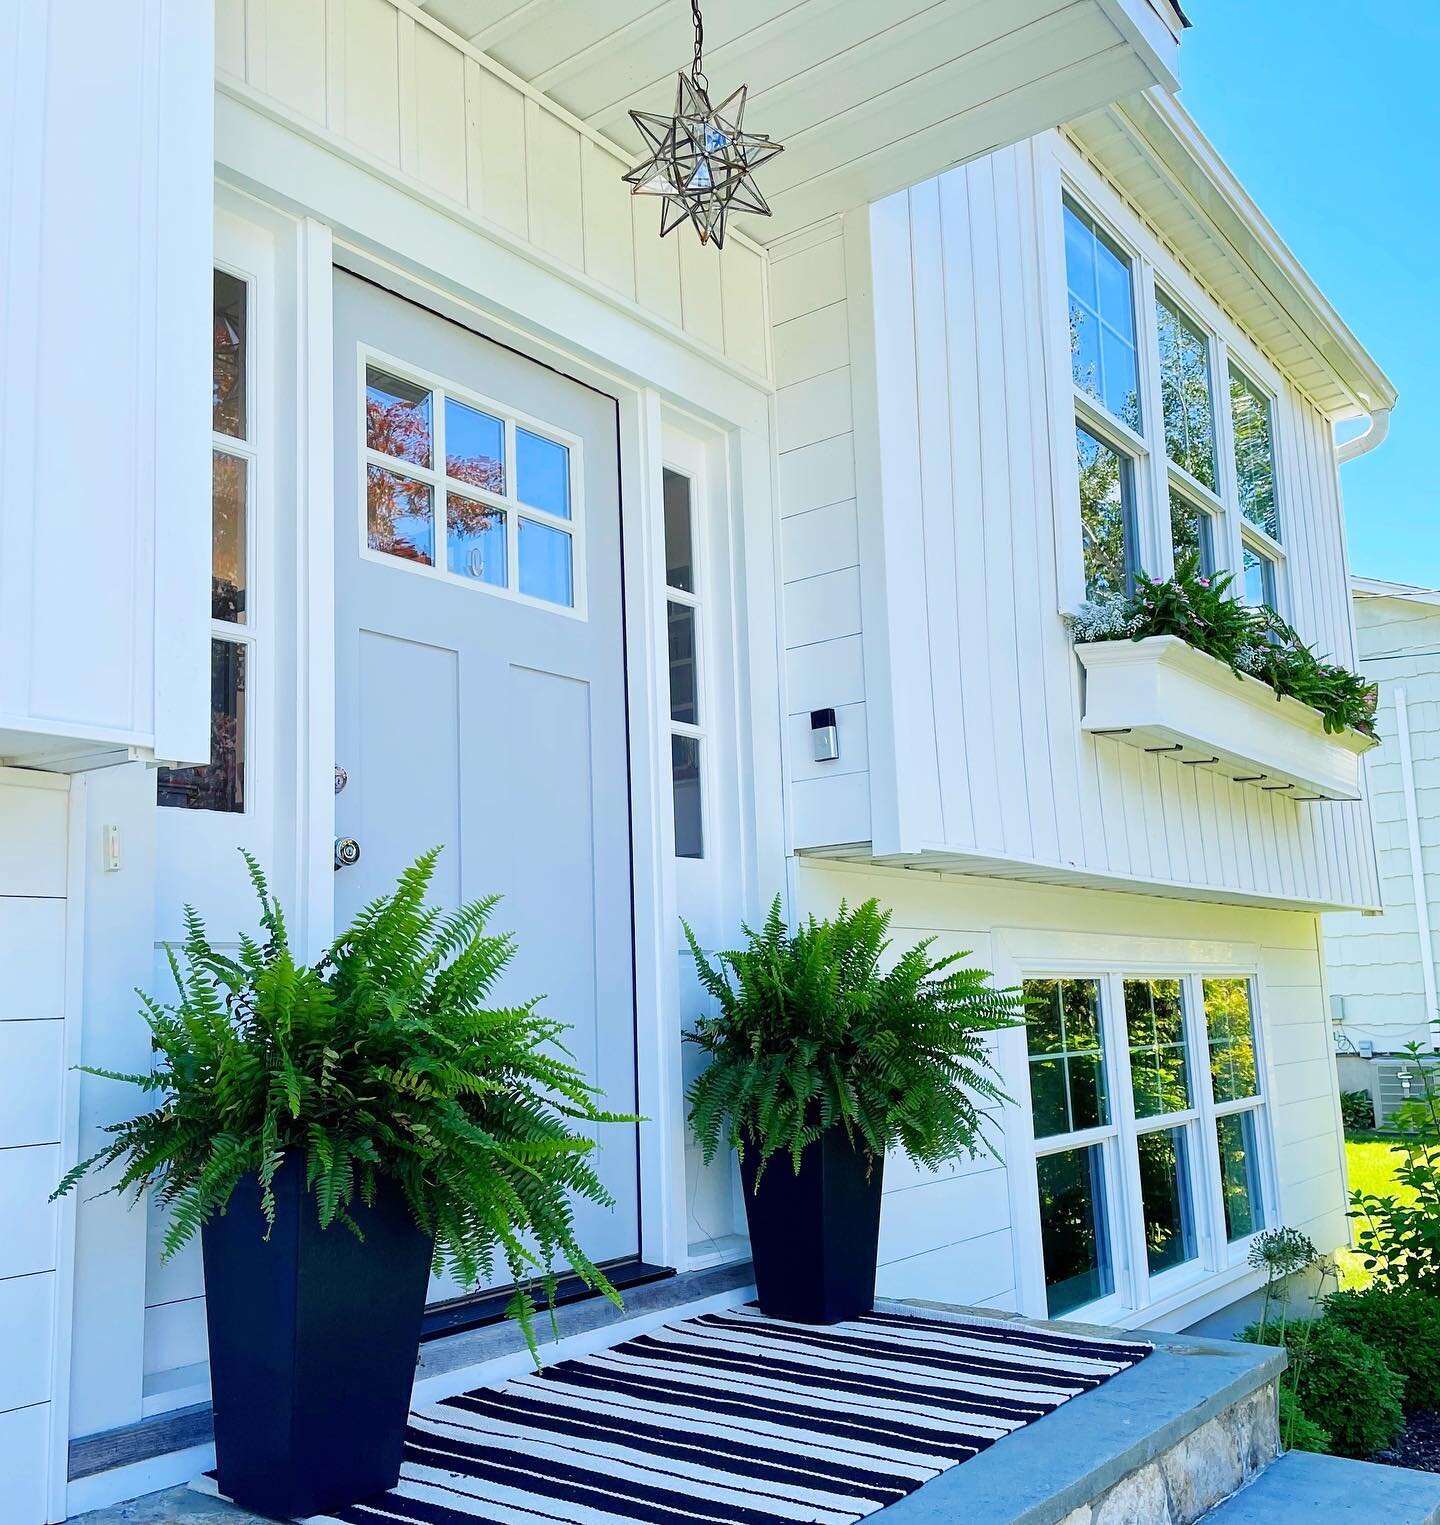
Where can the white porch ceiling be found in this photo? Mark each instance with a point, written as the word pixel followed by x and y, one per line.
pixel 867 97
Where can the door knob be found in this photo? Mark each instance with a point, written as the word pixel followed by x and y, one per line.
pixel 347 852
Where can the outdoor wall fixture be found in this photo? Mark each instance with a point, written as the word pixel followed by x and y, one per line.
pixel 824 738
pixel 701 158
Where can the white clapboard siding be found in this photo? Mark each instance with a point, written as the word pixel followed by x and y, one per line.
pixel 969 688
pixel 35 1143
pixel 392 86
pixel 1375 962
pixel 949 1236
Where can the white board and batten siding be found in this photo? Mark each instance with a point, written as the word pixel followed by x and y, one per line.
pixel 1376 970
pixel 389 87
pixel 925 603
pixel 37 1140
pixel 955 1235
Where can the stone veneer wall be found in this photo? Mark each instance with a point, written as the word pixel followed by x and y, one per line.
pixel 1185 1482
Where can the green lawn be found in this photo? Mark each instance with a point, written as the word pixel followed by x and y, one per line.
pixel 1370 1160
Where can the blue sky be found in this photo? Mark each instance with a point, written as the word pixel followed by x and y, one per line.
pixel 1327 111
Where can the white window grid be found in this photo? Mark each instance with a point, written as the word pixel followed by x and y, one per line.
pixel 442 485
pixel 1135 1287
pixel 1151 472
pixel 693 598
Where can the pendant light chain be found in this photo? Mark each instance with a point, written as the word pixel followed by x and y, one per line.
pixel 697 73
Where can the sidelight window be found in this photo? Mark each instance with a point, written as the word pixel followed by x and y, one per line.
pixel 682 627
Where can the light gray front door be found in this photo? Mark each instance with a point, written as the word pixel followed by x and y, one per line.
pixel 480 682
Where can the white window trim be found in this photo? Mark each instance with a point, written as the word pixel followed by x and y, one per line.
pixel 441 484
pixel 1138 1297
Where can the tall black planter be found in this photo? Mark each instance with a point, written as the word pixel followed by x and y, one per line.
pixel 313 1338
pixel 814 1236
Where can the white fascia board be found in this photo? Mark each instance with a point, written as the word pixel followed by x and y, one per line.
pixel 1377 587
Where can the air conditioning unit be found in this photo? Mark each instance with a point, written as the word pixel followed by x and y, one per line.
pixel 1399 1081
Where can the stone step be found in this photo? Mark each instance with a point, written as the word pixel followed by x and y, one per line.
pixel 1301 1486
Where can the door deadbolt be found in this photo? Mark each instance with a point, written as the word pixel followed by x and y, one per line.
pixel 347 852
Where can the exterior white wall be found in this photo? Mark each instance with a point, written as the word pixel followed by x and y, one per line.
pixel 105 133
pixel 1376 961
pixel 958 1235
pixel 947 648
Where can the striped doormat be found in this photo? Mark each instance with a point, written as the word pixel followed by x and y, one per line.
pixel 732 1418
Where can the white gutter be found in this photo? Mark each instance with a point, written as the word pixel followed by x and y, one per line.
pixel 1362 444
pixel 1417 868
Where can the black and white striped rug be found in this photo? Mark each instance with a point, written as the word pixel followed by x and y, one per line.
pixel 734 1419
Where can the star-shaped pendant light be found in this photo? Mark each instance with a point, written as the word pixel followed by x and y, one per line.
pixel 701 158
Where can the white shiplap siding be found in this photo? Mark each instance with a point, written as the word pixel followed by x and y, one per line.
pixel 972 692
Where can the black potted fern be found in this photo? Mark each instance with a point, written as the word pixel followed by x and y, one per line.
pixel 335 1131
pixel 821 1057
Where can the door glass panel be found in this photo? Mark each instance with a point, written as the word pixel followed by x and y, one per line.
pixel 476 542
pixel 545 563
pixel 474 447
pixel 685 784
pixel 1155 1024
pixel 679 553
pixel 220 783
pixel 397 416
pixel 400 518
pixel 1165 1199
pixel 227 537
pixel 1232 1040
pixel 228 355
pixel 1074 1233
pixel 1239 1175
pixel 1067 1057
pixel 684 697
pixel 543 474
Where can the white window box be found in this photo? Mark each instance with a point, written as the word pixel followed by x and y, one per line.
pixel 1167 698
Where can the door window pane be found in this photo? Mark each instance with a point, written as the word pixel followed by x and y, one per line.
pixel 1259 578
pixel 1165 1199
pixel 220 783
pixel 475 540
pixel 1155 1026
pixel 545 569
pixel 228 356
pixel 1230 1030
pixel 1102 318
pixel 397 416
pixel 1067 1056
pixel 474 447
pixel 1185 392
pixel 1192 534
pixel 1106 524
pixel 400 519
pixel 1254 453
pixel 685 786
pixel 228 475
pixel 1239 1175
pixel 543 473
pixel 1073 1229
pixel 679 553
pixel 684 694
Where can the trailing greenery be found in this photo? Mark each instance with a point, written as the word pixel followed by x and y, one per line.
pixel 1399 1238
pixel 1344 1386
pixel 382 1060
pixel 1249 640
pixel 810 1034
pixel 1357 1111
pixel 1404 1326
pixel 1298 1432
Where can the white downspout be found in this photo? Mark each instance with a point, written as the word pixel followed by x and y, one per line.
pixel 1362 444
pixel 1417 868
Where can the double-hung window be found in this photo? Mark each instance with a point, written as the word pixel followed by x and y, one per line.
pixel 1148 1118
pixel 1174 437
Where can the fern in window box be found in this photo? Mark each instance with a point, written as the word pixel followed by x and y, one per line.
pixel 336 1130
pixel 825 1052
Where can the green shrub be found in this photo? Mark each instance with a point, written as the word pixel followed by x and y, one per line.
pixel 1404 1326
pixel 1357 1111
pixel 810 1035
pixel 1297 1431
pixel 1340 1383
